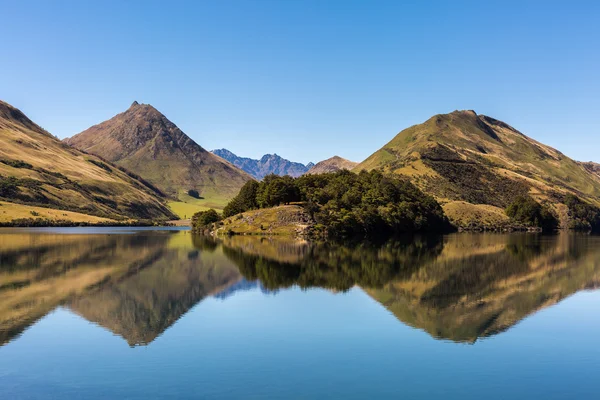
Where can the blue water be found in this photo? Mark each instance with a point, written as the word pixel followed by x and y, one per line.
pixel 287 343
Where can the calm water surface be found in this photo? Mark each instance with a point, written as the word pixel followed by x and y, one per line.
pixel 144 313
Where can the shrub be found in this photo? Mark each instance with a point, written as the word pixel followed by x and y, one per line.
pixel 17 164
pixel 527 211
pixel 100 164
pixel 244 201
pixel 203 218
pixel 194 193
pixel 584 216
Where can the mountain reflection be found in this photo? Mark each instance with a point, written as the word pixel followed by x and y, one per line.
pixel 459 287
pixel 135 285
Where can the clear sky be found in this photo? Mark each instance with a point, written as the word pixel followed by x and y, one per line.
pixel 307 79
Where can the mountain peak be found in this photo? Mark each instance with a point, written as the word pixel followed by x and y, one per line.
pixel 333 164
pixel 146 142
pixel 268 164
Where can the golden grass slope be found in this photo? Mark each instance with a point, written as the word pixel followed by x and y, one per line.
pixel 463 156
pixel 11 211
pixel 37 169
pixel 290 220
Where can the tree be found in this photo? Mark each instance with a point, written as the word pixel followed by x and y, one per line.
pixel 204 218
pixel 527 211
pixel 276 190
pixel 194 193
pixel 244 201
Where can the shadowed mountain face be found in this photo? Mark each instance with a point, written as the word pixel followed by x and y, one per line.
pixel 458 287
pixel 332 164
pixel 144 141
pixel 268 164
pixel 464 158
pixel 135 285
pixel 36 169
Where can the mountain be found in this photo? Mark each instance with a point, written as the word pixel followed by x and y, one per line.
pixel 591 167
pixel 332 164
pixel 39 175
pixel 144 141
pixel 476 165
pixel 268 164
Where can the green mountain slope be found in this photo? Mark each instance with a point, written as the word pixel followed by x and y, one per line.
pixel 36 169
pixel 463 158
pixel 144 141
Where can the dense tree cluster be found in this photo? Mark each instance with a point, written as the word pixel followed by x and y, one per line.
pixel 244 201
pixel 204 218
pixel 527 211
pixel 584 216
pixel 346 204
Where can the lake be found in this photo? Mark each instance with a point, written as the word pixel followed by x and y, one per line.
pixel 139 313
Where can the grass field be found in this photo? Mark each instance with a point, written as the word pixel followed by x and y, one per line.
pixel 12 211
pixel 185 210
pixel 188 205
pixel 282 220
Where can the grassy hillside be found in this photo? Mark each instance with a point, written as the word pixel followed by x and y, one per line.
pixel 144 141
pixel 478 160
pixel 12 211
pixel 290 220
pixel 36 169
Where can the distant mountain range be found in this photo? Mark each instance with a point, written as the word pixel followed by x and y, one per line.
pixel 475 166
pixel 144 141
pixel 268 164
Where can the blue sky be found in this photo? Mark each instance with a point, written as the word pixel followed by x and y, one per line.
pixel 307 79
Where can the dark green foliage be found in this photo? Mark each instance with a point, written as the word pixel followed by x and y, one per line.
pixel 584 216
pixel 194 193
pixel 8 186
pixel 344 204
pixel 17 164
pixel 369 204
pixel 244 201
pixel 527 211
pixel 473 183
pixel 101 165
pixel 276 190
pixel 204 218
